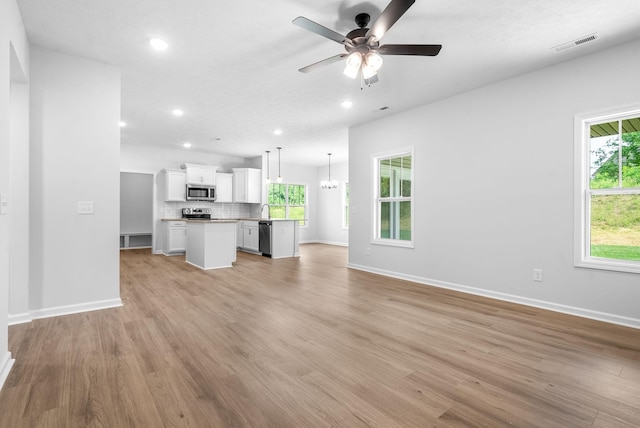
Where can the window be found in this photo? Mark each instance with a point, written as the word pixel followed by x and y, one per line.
pixel 288 201
pixel 345 206
pixel 608 190
pixel 393 205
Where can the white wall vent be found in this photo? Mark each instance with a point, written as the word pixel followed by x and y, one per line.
pixel 574 43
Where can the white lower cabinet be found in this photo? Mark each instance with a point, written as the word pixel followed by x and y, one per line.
pixel 251 236
pixel 175 237
pixel 240 234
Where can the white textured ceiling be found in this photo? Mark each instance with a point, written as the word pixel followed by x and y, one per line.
pixel 232 66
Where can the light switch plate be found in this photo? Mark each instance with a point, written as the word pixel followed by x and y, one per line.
pixel 4 204
pixel 85 207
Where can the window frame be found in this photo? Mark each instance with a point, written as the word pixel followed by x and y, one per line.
pixel 304 222
pixel 377 200
pixel 583 191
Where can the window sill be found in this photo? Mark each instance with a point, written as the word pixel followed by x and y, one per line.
pixel 608 264
pixel 393 243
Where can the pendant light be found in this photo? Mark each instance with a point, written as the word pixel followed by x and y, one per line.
pixel 279 176
pixel 268 176
pixel 329 184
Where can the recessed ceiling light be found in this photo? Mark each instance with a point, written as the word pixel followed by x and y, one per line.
pixel 186 145
pixel 346 104
pixel 158 44
pixel 123 124
pixel 277 131
pixel 177 112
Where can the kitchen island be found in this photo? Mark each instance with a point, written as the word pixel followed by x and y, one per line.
pixel 211 244
pixel 283 238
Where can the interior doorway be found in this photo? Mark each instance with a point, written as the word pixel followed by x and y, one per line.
pixel 136 210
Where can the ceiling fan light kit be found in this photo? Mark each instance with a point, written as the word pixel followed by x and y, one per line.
pixel 368 72
pixel 369 65
pixel 363 44
pixel 353 63
pixel 373 60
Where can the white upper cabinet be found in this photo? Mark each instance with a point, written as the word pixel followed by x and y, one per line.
pixel 200 174
pixel 247 184
pixel 173 185
pixel 224 187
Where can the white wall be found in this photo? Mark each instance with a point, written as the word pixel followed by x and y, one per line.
pixel 494 188
pixel 20 214
pixel 329 212
pixel 75 155
pixel 14 65
pixel 136 158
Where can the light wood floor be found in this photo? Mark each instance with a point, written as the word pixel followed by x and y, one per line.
pixel 309 343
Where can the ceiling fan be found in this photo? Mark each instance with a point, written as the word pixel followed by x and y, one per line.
pixel 363 44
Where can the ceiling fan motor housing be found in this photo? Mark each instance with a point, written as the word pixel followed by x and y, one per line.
pixel 362 19
pixel 359 42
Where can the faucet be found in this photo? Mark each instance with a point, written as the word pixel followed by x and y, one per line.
pixel 268 210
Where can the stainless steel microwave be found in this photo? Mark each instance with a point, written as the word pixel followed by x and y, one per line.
pixel 201 192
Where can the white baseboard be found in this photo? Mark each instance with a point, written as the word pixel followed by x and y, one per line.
pixel 338 244
pixel 556 307
pixel 75 309
pixel 5 367
pixel 19 318
pixel 210 268
pixel 285 257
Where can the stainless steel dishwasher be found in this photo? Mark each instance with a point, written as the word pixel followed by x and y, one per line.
pixel 265 238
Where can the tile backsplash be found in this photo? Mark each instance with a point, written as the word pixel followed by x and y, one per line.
pixel 239 210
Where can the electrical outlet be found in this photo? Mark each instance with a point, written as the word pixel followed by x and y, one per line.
pixel 537 275
pixel 368 251
pixel 85 208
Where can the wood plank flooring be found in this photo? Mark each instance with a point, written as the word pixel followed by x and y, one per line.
pixel 307 342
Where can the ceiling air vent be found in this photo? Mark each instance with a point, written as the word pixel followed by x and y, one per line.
pixel 577 42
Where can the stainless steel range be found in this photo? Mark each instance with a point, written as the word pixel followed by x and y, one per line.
pixel 197 213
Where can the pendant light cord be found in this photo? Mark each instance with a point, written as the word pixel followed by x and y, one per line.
pixel 279 176
pixel 268 174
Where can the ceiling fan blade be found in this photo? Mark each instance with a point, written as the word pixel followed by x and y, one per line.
pixel 314 27
pixel 388 17
pixel 422 50
pixel 319 64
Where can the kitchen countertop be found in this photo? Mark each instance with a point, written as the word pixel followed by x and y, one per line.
pixel 268 219
pixel 201 220
pixel 228 220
